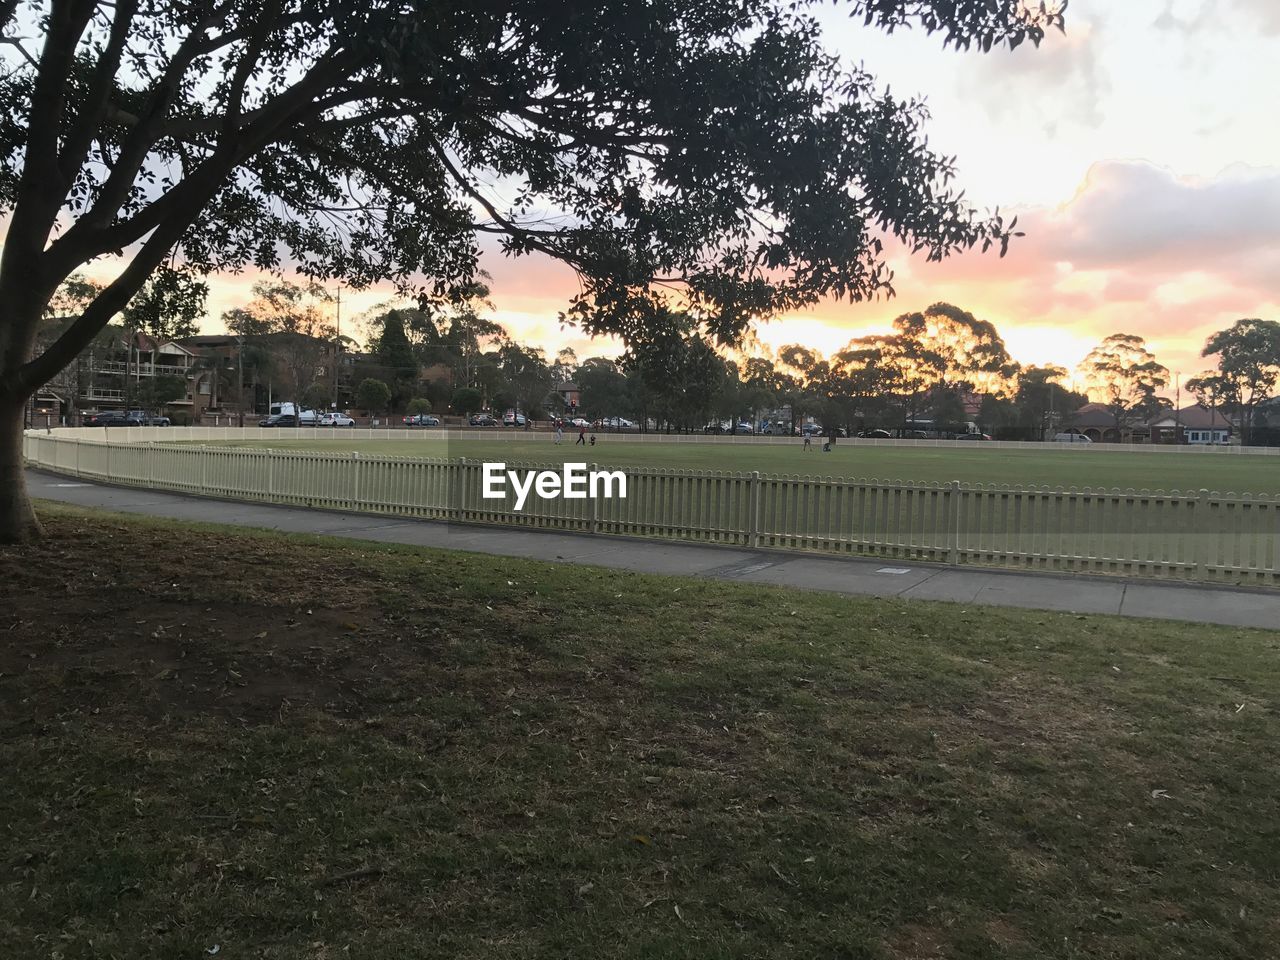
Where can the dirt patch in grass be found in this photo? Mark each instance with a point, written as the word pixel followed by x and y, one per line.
pixel 298 747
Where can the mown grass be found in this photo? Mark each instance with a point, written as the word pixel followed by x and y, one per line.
pixel 299 747
pixel 1057 466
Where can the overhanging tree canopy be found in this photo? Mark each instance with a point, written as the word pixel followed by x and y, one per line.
pixel 691 145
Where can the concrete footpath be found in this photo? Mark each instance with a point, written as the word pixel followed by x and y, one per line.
pixel 858 577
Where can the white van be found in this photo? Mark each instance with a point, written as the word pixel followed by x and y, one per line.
pixel 307 418
pixel 1071 438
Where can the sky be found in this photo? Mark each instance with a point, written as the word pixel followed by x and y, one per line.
pixel 1140 151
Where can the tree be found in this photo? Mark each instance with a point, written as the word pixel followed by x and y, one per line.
pixel 969 352
pixel 1248 355
pixel 527 375
pixel 1127 374
pixel 169 305
pixel 156 393
pixel 418 406
pixel 1041 399
pixel 466 400
pixel 317 397
pixel 602 388
pixel 373 395
pixel 358 141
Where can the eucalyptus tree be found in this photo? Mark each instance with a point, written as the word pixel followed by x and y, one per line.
pixel 711 152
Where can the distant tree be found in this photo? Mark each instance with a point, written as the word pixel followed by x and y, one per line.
pixel 318 396
pixel 1042 400
pixel 602 388
pixel 156 393
pixel 1128 376
pixel 418 406
pixel 526 374
pixel 964 350
pixel 466 400
pixel 169 305
pixel 373 395
pixel 1248 355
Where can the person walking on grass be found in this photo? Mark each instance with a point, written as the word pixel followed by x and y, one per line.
pixel 559 431
pixel 582 437
pixel 808 442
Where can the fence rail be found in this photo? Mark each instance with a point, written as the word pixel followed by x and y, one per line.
pixel 1192 535
pixel 255 433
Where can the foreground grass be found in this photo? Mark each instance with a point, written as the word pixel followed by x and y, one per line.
pixel 300 747
pixel 1058 466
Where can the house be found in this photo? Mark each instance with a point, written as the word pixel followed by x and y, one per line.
pixel 1193 424
pixel 569 394
pixel 1097 423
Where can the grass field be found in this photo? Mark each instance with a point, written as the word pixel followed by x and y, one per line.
pixel 292 747
pixel 1058 467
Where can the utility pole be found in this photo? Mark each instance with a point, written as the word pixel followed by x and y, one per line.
pixel 1177 407
pixel 240 374
pixel 337 346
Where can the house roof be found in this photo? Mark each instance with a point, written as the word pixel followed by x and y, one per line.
pixel 1195 417
pixel 1092 415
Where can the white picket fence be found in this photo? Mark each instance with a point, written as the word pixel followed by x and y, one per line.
pixel 1193 535
pixel 421 434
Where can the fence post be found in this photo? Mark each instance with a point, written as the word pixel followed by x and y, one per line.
pixel 204 470
pixel 462 487
pixel 755 509
pixel 77 443
pixel 1200 524
pixel 355 479
pixel 271 475
pixel 953 551
pixel 595 501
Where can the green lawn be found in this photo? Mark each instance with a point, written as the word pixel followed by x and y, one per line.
pixel 300 747
pixel 1064 467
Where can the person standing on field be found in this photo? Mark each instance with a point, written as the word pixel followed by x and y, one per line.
pixel 559 430
pixel 582 437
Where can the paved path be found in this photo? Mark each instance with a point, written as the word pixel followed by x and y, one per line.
pixel 859 577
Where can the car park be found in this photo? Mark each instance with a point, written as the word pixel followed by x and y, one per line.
pixel 482 420
pixel 513 419
pixel 421 420
pixel 336 420
pixel 617 423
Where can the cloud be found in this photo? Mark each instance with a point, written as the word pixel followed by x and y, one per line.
pixel 1062 79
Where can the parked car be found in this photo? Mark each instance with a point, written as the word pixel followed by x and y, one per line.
pixel 1071 438
pixel 578 423
pixel 876 434
pixel 333 419
pixel 812 430
pixel 482 420
pixel 617 423
pixel 108 418
pixel 279 420
pixel 140 418
pixel 513 419
pixel 971 436
pixel 421 420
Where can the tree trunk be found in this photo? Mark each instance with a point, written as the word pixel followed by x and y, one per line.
pixel 18 523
